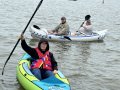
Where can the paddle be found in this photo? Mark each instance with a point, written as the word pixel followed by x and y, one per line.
pixel 67 37
pixel 22 34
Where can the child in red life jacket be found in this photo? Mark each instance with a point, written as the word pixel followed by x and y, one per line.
pixel 44 64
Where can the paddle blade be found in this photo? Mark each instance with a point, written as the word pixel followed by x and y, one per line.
pixel 66 37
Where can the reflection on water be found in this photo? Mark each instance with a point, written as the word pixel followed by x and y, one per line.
pixel 85 51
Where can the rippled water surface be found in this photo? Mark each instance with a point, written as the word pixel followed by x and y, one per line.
pixel 87 65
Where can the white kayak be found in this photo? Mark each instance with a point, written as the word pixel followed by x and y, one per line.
pixel 38 33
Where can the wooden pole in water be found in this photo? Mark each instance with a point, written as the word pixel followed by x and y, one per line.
pixel 103 1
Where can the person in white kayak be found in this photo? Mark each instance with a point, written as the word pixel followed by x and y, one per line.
pixel 61 29
pixel 86 26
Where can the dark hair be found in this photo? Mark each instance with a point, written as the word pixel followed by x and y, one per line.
pixel 87 17
pixel 63 18
pixel 41 41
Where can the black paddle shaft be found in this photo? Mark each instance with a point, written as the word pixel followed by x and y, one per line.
pixel 22 34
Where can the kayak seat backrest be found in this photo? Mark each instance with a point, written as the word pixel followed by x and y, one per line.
pixel 27 57
pixel 69 33
pixel 35 26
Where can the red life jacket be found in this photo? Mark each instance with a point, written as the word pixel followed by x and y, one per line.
pixel 44 59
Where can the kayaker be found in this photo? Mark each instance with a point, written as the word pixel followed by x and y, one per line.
pixel 43 64
pixel 62 28
pixel 86 26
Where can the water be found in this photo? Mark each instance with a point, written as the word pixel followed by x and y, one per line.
pixel 87 65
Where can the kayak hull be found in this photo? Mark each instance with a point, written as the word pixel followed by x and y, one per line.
pixel 38 34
